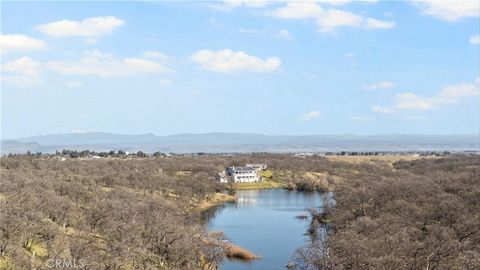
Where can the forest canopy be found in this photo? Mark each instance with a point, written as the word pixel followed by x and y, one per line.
pixel 142 212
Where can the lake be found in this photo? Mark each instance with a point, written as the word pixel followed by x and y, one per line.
pixel 264 222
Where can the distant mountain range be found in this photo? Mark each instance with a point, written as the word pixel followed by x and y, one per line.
pixel 238 142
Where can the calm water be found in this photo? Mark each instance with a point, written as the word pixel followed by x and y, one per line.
pixel 264 222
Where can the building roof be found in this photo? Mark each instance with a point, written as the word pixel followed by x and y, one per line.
pixel 242 169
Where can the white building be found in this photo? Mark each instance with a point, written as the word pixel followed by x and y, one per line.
pixel 222 177
pixel 243 174
pixel 257 166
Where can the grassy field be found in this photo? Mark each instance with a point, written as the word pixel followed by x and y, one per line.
pixel 374 159
pixel 258 185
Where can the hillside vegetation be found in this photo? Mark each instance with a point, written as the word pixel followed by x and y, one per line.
pixel 145 212
pixel 422 214
pixel 117 212
pixel 112 214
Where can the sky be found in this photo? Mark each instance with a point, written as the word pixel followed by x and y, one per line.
pixel 279 68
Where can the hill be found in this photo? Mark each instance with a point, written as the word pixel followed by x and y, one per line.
pixel 238 142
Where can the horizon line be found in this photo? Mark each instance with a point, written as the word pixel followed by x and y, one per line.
pixel 242 133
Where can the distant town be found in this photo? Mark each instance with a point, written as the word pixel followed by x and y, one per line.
pixel 87 154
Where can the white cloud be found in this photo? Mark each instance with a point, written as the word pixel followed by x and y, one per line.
pixel 90 27
pixel 449 10
pixel 334 18
pixel 328 19
pixel 362 118
pixel 412 101
pixel 164 82
pixel 91 40
pixel 349 55
pixel 23 72
pixel 155 54
pixel 298 10
pixel 230 61
pixel 20 43
pixel 343 2
pixel 451 94
pixel 311 115
pixel 23 66
pixel 96 63
pixel 334 2
pixel 228 5
pixel 73 84
pixel 378 24
pixel 284 34
pixel 475 40
pixel 380 109
pixel 447 95
pixel 380 85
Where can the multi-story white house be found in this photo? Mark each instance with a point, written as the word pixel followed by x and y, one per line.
pixel 243 174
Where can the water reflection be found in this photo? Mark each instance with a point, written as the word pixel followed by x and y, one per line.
pixel 245 202
pixel 264 221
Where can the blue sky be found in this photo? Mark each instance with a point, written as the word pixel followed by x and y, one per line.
pixel 314 67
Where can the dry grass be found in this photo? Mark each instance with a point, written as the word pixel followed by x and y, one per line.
pixel 236 252
pixel 374 159
pixel 40 250
pixel 216 199
pixel 258 185
pixel 6 263
pixel 106 189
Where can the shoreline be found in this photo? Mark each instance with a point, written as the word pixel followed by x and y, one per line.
pixel 215 199
pixel 267 184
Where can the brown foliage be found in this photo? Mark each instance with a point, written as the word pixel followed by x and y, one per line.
pixel 424 214
pixel 118 212
pixel 111 213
